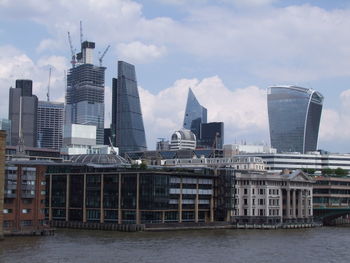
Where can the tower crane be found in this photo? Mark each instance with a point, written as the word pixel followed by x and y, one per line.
pixel 81 32
pixel 103 54
pixel 72 50
pixel 48 87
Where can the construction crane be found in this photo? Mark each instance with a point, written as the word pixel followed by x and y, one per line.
pixel 72 50
pixel 112 147
pixel 103 54
pixel 48 87
pixel 81 32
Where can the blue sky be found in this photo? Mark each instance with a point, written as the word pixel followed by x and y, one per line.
pixel 227 51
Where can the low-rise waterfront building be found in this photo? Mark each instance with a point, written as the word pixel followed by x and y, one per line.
pixel 264 198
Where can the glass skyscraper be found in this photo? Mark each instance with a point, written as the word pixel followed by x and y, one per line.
pixel 127 128
pixel 85 93
pixel 294 118
pixel 195 114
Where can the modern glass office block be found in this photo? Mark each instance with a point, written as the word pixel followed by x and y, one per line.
pixel 127 129
pixel 294 118
pixel 195 114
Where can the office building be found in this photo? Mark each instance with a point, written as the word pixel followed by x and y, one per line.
pixel 85 92
pixel 23 107
pixel 50 124
pixel 195 114
pixel 107 136
pixel 127 129
pixel 5 125
pixel 163 145
pixel 183 139
pixel 294 118
pixel 211 135
pixel 233 149
pixel 2 179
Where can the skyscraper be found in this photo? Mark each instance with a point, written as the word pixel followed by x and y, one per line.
pixel 294 118
pixel 23 107
pixel 127 128
pixel 195 114
pixel 50 124
pixel 85 92
pixel 212 135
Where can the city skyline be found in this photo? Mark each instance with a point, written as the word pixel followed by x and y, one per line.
pixel 228 52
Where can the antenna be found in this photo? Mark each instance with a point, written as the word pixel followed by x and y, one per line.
pixel 48 87
pixel 72 50
pixel 81 32
pixel 103 54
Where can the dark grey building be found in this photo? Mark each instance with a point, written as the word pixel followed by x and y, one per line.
pixel 107 134
pixel 212 135
pixel 50 124
pixel 195 114
pixel 23 107
pixel 294 118
pixel 85 92
pixel 127 128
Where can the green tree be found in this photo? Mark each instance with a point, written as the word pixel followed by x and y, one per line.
pixel 309 171
pixel 340 172
pixel 327 171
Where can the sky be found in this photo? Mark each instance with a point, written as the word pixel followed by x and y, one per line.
pixel 227 51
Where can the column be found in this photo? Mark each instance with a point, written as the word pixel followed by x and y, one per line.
pixel 50 198
pixel 101 200
pixel 300 203
pixel 120 199
pixel 212 209
pixel 179 205
pixel 196 203
pixel 280 210
pixel 288 204
pixel 138 220
pixel 267 204
pixel 306 204
pixel 67 197
pixel 84 199
pixel 294 204
pixel 163 217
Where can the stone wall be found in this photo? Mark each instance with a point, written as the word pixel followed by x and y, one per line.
pixel 2 175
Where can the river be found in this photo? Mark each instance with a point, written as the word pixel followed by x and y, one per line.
pixel 326 244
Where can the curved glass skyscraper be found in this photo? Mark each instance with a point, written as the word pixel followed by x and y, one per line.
pixel 195 114
pixel 294 118
pixel 127 129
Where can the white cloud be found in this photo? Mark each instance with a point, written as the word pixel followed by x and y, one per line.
pixel 137 52
pixel 242 110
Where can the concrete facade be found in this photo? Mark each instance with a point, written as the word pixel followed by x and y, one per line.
pixel 2 175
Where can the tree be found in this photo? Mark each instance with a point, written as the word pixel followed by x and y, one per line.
pixel 340 172
pixel 327 171
pixel 309 171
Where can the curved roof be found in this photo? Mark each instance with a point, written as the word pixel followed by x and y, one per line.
pixel 184 134
pixel 99 159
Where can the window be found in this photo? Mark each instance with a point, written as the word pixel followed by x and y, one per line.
pixel 43 192
pixel 26 222
pixel 26 211
pixel 245 191
pixel 245 201
pixel 7 211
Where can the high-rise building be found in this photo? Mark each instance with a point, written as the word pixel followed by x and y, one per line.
pixel 294 118
pixel 50 124
pixel 2 179
pixel 85 92
pixel 212 135
pixel 5 125
pixel 23 107
pixel 195 114
pixel 127 128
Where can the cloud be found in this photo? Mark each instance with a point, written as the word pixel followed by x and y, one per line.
pixel 243 111
pixel 137 52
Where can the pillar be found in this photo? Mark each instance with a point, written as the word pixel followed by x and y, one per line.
pixel 196 203
pixel 300 204
pixel 306 205
pixel 120 199
pixel 67 196
pixel 288 204
pixel 294 204
pixel 84 199
pixel 138 219
pixel 102 216
pixel 212 209
pixel 50 197
pixel 180 202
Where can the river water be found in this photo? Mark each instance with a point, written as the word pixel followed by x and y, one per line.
pixel 326 244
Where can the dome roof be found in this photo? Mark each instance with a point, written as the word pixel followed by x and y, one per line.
pixel 183 134
pixel 99 159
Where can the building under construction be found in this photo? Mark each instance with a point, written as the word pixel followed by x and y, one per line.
pixel 85 91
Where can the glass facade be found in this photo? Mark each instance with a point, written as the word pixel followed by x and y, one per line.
pixel 212 135
pixel 195 114
pixel 127 129
pixel 294 118
pixel 85 98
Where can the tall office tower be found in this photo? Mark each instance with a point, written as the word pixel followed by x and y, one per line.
pixel 127 128
pixel 23 107
pixel 195 114
pixel 212 135
pixel 294 118
pixel 85 92
pixel 2 179
pixel 50 124
pixel 6 126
